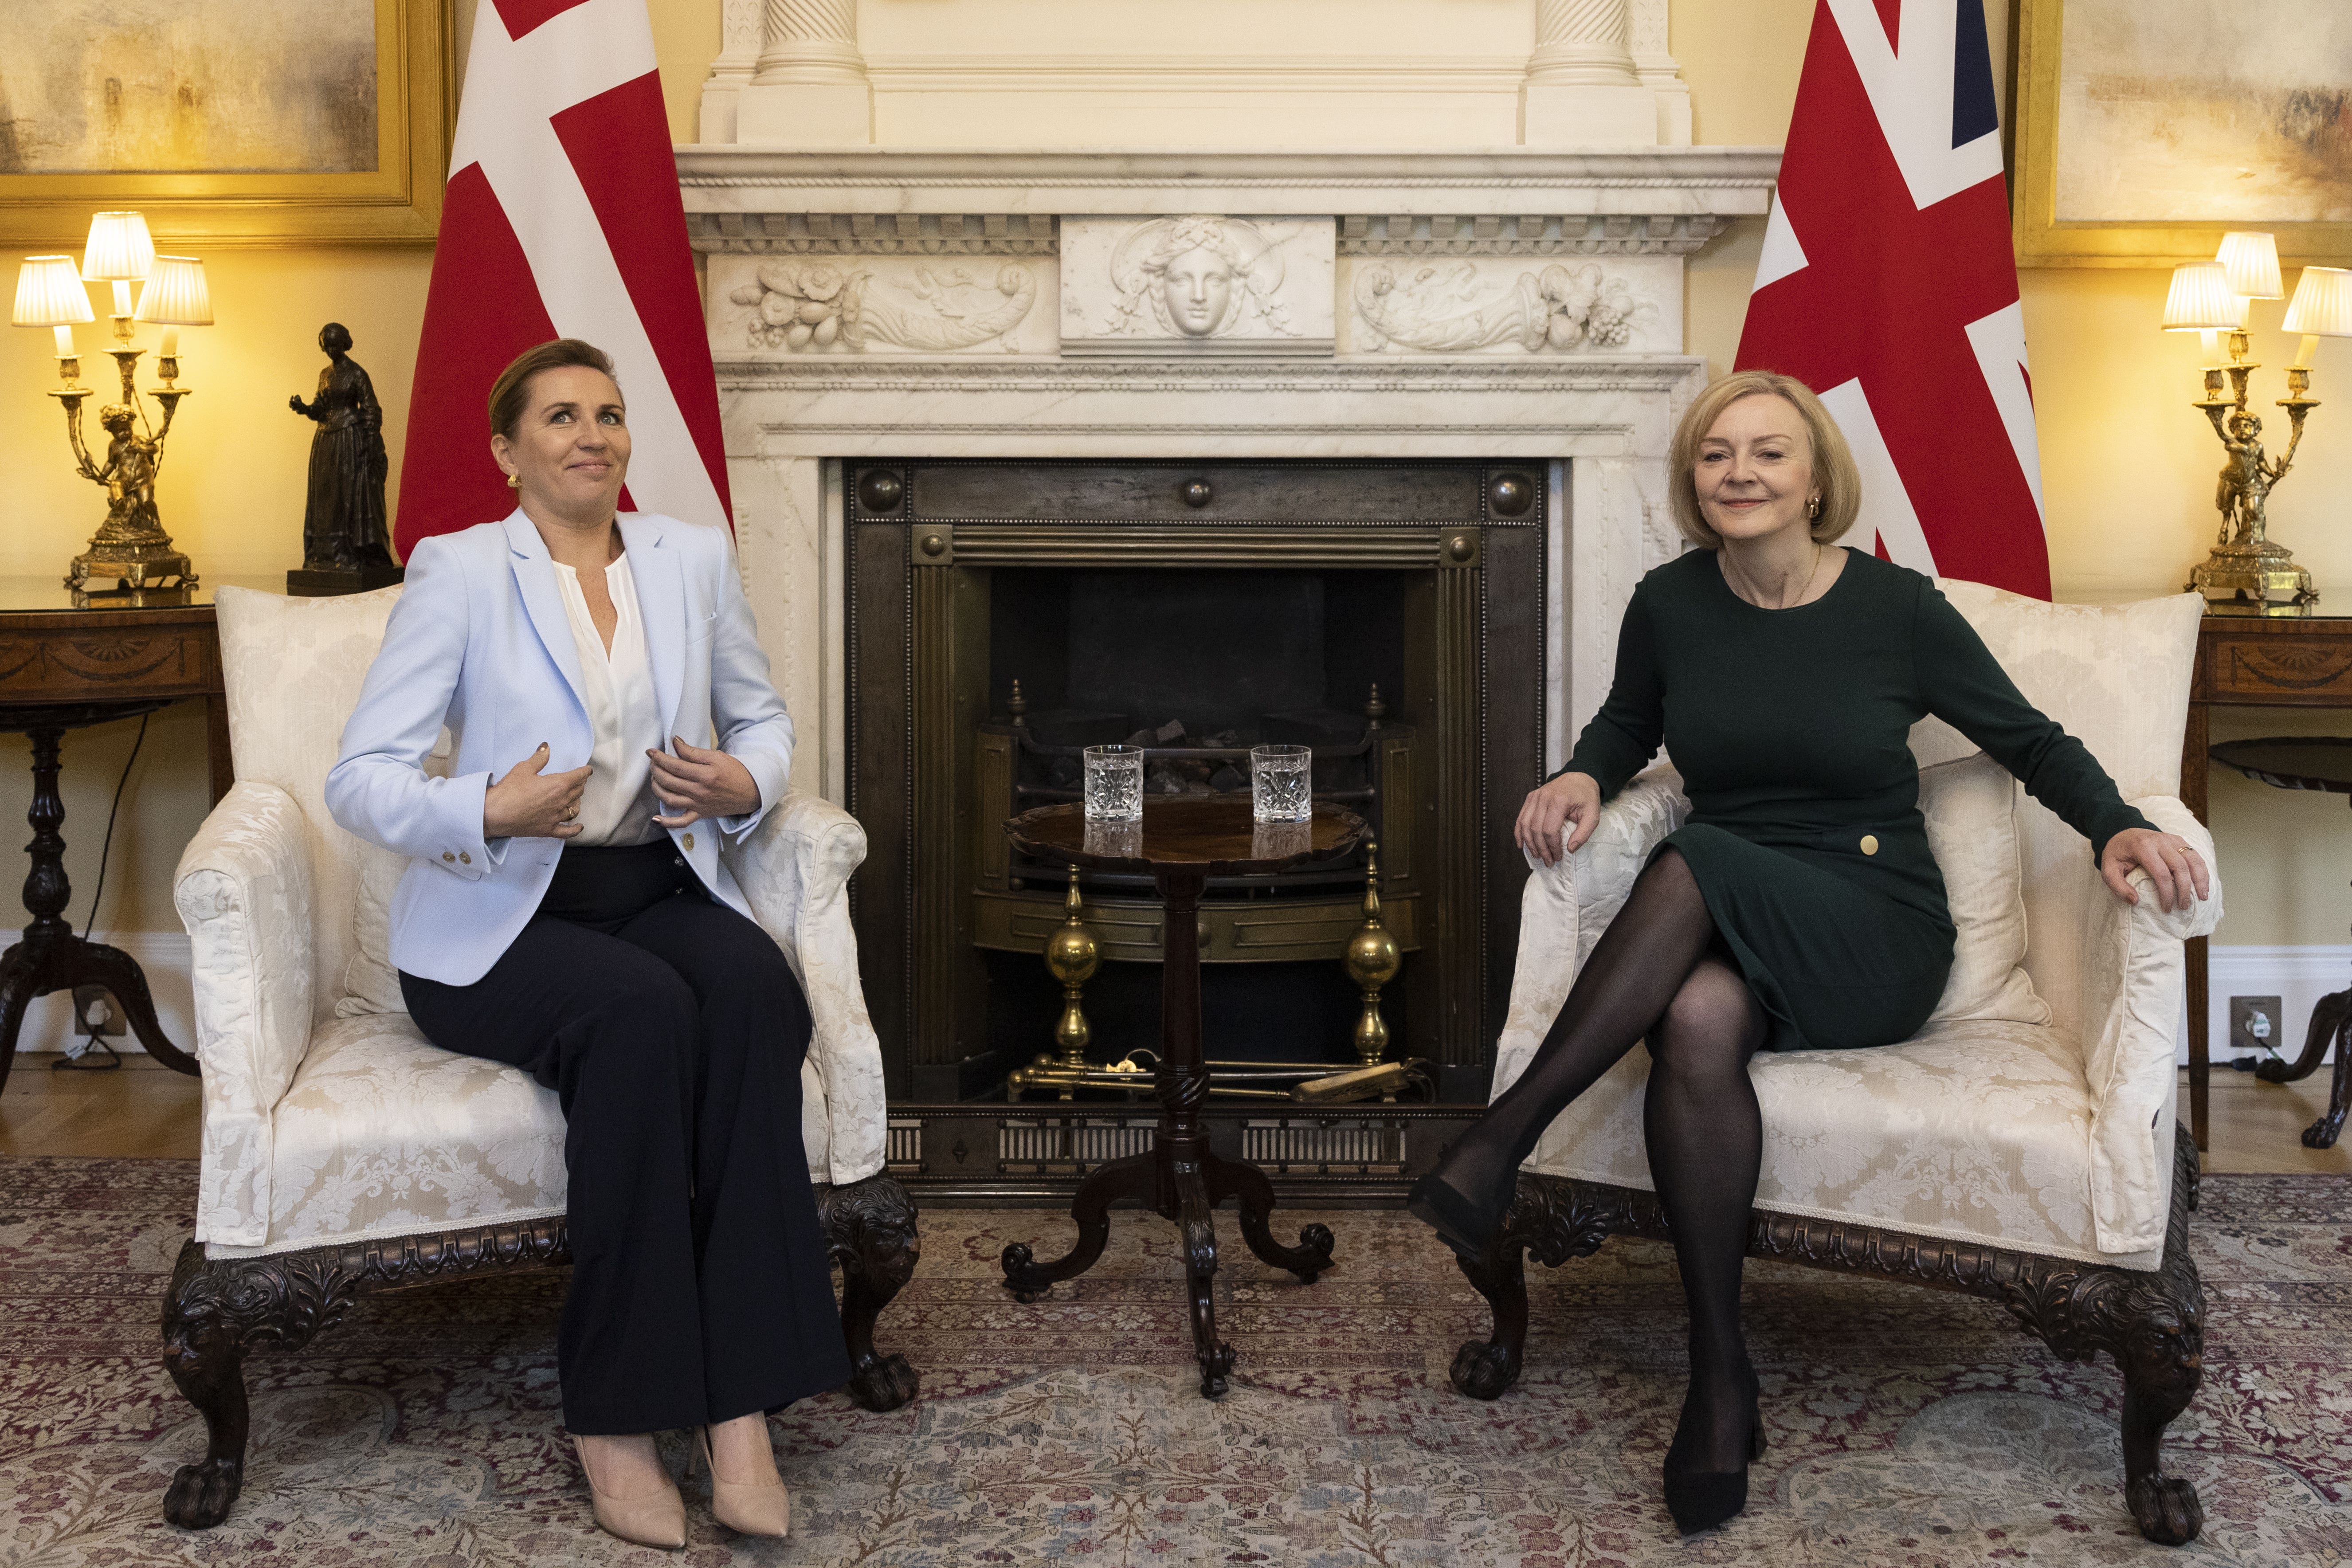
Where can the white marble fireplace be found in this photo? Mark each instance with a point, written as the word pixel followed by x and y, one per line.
pixel 1516 303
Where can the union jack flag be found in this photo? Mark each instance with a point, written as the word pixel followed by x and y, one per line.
pixel 1887 284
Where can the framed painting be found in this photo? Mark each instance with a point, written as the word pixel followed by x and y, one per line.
pixel 2148 128
pixel 225 122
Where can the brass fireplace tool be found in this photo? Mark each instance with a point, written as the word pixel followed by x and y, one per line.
pixel 1073 953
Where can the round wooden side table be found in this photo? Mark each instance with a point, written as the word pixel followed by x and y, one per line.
pixel 2323 763
pixel 1181 844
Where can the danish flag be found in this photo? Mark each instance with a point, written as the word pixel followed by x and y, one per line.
pixel 1887 284
pixel 562 220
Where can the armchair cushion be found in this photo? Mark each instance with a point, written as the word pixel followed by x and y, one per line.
pixel 1970 805
pixel 1974 1129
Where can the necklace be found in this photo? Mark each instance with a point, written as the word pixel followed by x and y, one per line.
pixel 1820 553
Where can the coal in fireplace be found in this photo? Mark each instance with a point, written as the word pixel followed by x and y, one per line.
pixel 1005 614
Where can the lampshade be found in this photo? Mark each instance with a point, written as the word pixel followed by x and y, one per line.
pixel 119 249
pixel 175 294
pixel 2201 301
pixel 2252 262
pixel 50 294
pixel 2322 306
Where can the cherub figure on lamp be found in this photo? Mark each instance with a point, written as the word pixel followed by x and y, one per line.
pixel 2248 572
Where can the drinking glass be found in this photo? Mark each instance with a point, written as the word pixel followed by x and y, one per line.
pixel 1280 787
pixel 1114 784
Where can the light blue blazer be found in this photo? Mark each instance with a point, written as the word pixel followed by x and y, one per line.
pixel 479 642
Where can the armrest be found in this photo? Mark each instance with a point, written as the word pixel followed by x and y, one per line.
pixel 2133 968
pixel 1566 908
pixel 795 870
pixel 243 889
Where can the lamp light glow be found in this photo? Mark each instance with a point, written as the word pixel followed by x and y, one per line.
pixel 2201 301
pixel 2252 262
pixel 119 250
pixel 50 294
pixel 2322 308
pixel 175 296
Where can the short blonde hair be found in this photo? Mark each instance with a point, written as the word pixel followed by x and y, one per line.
pixel 1834 473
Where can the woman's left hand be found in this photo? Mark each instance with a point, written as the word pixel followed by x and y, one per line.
pixel 697 783
pixel 2170 864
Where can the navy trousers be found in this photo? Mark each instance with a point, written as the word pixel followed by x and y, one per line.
pixel 673 1032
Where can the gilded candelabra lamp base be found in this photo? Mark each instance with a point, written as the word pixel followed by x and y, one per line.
pixel 130 552
pixel 2248 572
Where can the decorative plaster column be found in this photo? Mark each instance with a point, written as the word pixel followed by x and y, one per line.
pixel 810 87
pixel 1581 89
pixel 740 31
pixel 1656 68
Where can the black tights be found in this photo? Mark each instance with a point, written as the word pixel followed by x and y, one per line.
pixel 1658 973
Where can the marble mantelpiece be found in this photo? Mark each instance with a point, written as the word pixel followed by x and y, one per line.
pixel 1518 304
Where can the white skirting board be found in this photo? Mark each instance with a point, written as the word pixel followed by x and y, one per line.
pixel 2298 976
pixel 163 956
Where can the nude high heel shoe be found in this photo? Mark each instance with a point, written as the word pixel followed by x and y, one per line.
pixel 655 1518
pixel 747 1507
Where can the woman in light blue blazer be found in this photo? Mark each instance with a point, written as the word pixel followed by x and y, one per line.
pixel 565 911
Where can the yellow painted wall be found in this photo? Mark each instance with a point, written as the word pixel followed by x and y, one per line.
pixel 2128 466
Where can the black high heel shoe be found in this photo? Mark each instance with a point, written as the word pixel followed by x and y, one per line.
pixel 1468 1223
pixel 1701 1500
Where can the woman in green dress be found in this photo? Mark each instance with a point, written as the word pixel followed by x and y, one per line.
pixel 1799 906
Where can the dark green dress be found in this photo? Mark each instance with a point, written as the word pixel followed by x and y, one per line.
pixel 1791 730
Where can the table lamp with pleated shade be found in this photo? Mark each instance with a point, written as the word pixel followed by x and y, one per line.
pixel 2201 300
pixel 2322 308
pixel 49 294
pixel 118 251
pixel 2252 264
pixel 175 296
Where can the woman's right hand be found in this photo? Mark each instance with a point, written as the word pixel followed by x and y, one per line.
pixel 529 804
pixel 1571 801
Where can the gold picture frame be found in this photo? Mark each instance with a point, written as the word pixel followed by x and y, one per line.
pixel 397 203
pixel 2043 238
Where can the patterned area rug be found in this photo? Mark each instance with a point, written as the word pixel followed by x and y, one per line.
pixel 1906 1427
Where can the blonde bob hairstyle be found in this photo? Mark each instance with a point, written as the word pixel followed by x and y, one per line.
pixel 1834 474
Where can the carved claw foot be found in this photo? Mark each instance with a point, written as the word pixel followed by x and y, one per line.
pixel 884 1384
pixel 202 1494
pixel 2166 1508
pixel 2323 1133
pixel 1484 1370
pixel 870 1230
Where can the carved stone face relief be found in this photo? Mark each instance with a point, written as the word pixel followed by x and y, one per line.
pixel 1234 284
pixel 1199 286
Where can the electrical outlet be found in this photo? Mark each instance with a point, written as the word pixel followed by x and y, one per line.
pixel 95 1014
pixel 2254 1024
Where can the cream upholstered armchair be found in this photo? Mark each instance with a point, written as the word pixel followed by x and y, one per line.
pixel 343 1154
pixel 2023 1146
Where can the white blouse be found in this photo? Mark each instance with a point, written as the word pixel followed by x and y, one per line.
pixel 619 805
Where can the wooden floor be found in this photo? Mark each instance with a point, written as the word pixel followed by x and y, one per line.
pixel 144 1109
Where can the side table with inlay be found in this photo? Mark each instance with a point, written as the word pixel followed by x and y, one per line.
pixel 1181 844
pixel 66 666
pixel 2253 661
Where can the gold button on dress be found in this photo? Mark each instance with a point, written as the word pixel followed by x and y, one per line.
pixel 1870 843
pixel 689 841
